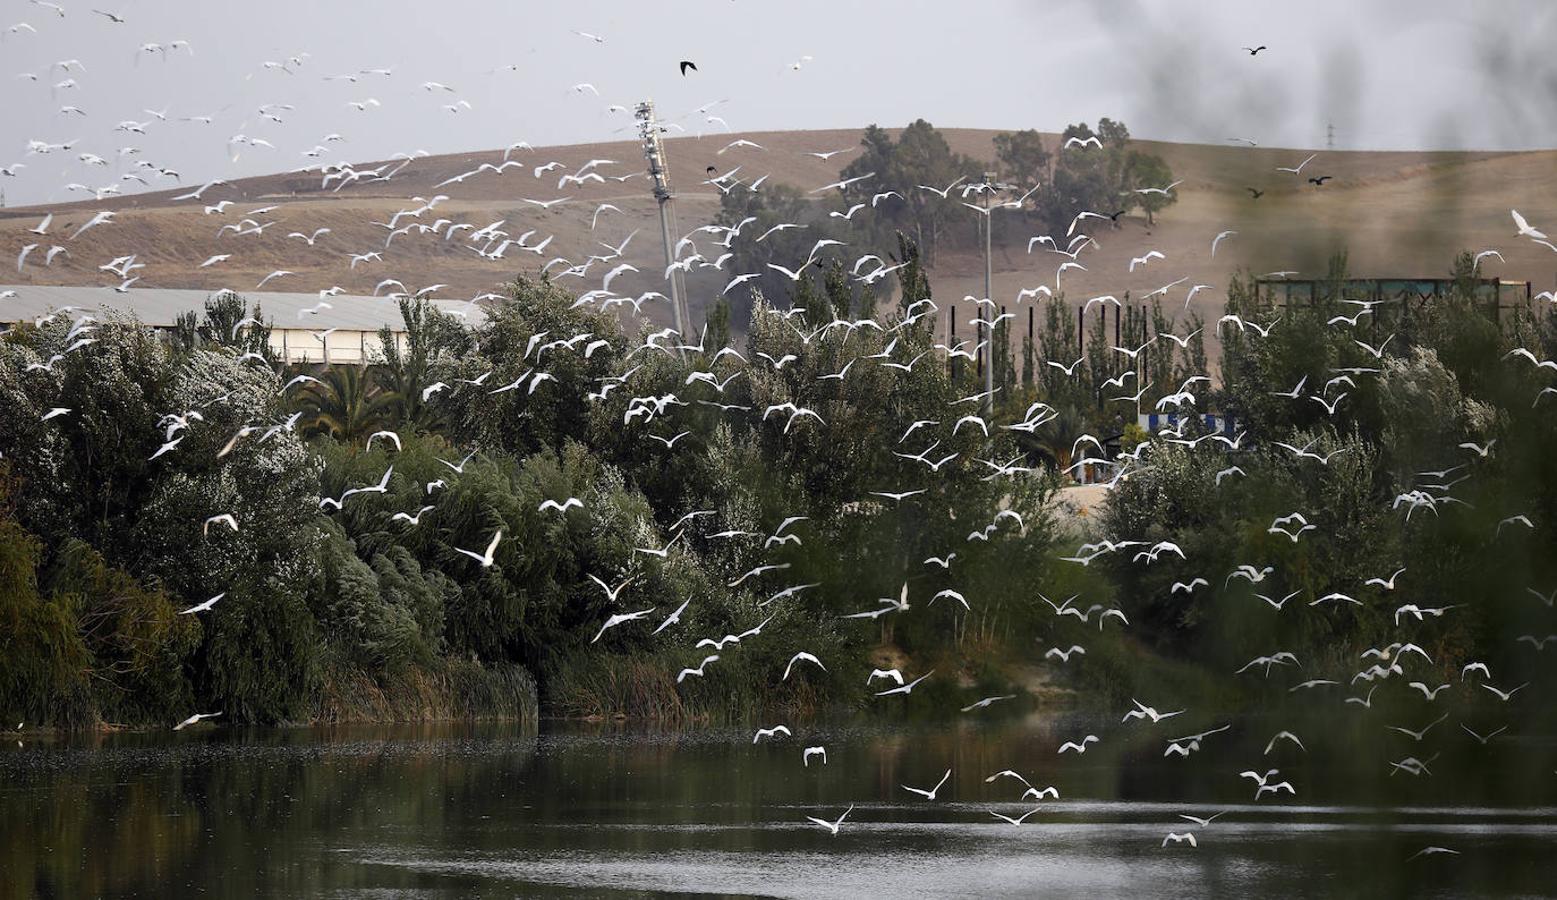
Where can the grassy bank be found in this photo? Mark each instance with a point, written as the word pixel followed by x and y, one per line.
pixel 448 690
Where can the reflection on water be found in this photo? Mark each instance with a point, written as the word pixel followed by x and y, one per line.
pixel 603 809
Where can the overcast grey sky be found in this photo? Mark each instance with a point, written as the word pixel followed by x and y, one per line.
pixel 1392 74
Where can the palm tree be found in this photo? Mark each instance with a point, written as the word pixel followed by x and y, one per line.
pixel 1053 439
pixel 404 374
pixel 344 404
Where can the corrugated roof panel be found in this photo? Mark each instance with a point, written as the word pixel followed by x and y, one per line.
pixel 160 307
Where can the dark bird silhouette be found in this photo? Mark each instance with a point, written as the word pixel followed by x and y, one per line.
pixel 1254 194
pixel 711 170
pixel 1255 50
pixel 1114 217
pixel 688 64
pixel 1319 181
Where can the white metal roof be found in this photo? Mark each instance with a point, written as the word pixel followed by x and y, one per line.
pixel 160 307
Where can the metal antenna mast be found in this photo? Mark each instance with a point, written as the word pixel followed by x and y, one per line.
pixel 654 151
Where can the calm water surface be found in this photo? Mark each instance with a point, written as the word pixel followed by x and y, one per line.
pixel 609 810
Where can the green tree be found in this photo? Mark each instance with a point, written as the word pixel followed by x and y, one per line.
pixel 120 523
pixel 1143 178
pixel 1103 179
pixel 717 325
pixel 345 404
pixel 429 339
pixel 919 157
pixel 44 678
pixel 913 282
pixel 226 323
pixel 534 415
pixel 1022 157
pixel 1029 361
pixel 790 247
pixel 137 644
pixel 818 304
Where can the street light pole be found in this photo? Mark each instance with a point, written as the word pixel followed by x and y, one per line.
pixel 987 186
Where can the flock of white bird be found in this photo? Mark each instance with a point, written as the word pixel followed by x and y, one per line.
pixel 493 240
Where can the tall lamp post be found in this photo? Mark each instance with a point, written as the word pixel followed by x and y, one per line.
pixel 987 186
pixel 649 133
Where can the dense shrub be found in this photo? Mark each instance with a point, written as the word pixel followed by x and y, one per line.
pixel 764 499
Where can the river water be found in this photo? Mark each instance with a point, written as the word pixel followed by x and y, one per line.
pixel 580 809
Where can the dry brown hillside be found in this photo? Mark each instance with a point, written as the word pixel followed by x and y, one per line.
pixel 1397 213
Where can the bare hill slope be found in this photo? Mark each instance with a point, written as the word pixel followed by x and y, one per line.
pixel 1397 213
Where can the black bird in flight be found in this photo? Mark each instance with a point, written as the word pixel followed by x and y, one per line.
pixel 1254 194
pixel 1255 50
pixel 1320 180
pixel 688 64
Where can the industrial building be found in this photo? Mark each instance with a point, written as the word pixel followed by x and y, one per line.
pixel 304 328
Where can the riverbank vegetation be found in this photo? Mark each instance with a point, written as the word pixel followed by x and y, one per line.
pixel 770 495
